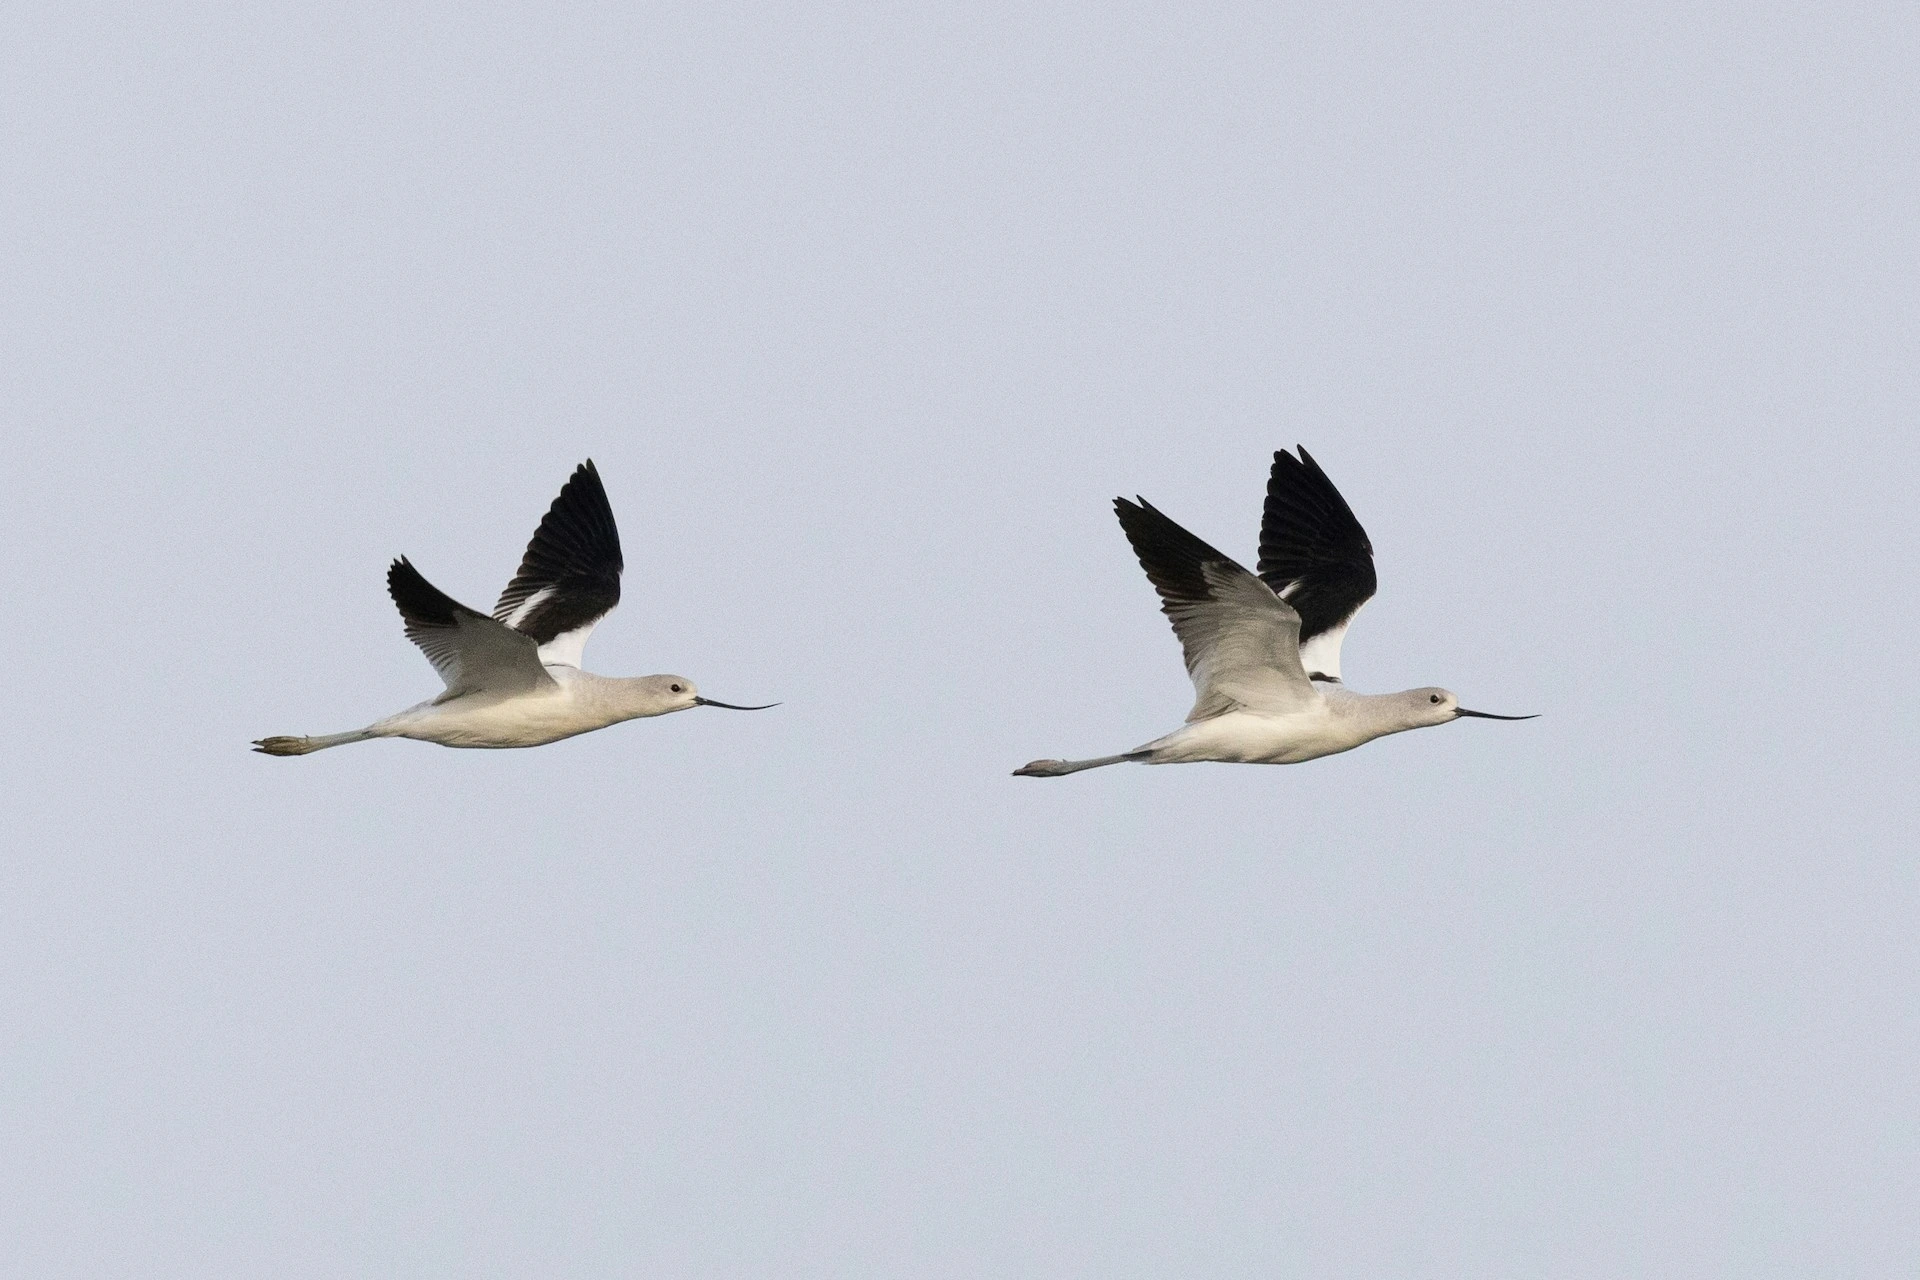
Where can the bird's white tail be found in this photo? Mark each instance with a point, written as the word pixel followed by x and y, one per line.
pixel 1060 768
pixel 285 746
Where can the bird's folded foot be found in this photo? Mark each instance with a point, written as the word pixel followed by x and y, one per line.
pixel 1042 769
pixel 284 746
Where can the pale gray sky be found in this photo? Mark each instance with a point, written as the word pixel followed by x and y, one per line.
pixel 1603 318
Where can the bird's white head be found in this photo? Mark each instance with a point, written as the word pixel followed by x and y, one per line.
pixel 677 693
pixel 1431 706
pixel 1438 706
pixel 668 693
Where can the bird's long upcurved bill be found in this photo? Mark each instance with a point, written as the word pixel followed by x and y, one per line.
pixel 709 702
pixel 1488 715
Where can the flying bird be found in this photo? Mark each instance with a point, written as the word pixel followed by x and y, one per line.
pixel 1264 650
pixel 514 679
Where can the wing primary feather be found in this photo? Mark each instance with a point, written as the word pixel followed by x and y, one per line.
pixel 421 604
pixel 1175 559
pixel 569 577
pixel 1314 553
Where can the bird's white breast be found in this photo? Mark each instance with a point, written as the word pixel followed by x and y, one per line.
pixel 1335 722
pixel 524 720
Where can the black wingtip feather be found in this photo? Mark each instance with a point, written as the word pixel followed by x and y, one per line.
pixel 1311 542
pixel 1173 558
pixel 575 551
pixel 420 603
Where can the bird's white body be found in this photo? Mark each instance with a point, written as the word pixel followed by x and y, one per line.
pixel 1324 721
pixel 1335 720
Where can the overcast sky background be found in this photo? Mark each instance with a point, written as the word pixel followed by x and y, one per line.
pixel 1604 320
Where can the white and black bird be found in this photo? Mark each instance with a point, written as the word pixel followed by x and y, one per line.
pixel 1264 651
pixel 514 679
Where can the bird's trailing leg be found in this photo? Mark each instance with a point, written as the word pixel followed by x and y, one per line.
pixel 287 746
pixel 1060 768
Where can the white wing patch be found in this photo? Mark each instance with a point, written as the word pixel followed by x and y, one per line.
pixel 566 649
pixel 1320 655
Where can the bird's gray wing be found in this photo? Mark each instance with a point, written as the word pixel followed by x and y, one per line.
pixel 1242 642
pixel 472 652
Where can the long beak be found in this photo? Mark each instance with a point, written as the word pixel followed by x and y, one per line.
pixel 709 702
pixel 1488 715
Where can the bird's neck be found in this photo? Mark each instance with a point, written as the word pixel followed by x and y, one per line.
pixel 615 698
pixel 633 696
pixel 1379 714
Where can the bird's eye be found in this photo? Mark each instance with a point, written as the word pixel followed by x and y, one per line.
pixel 678 689
pixel 1434 698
